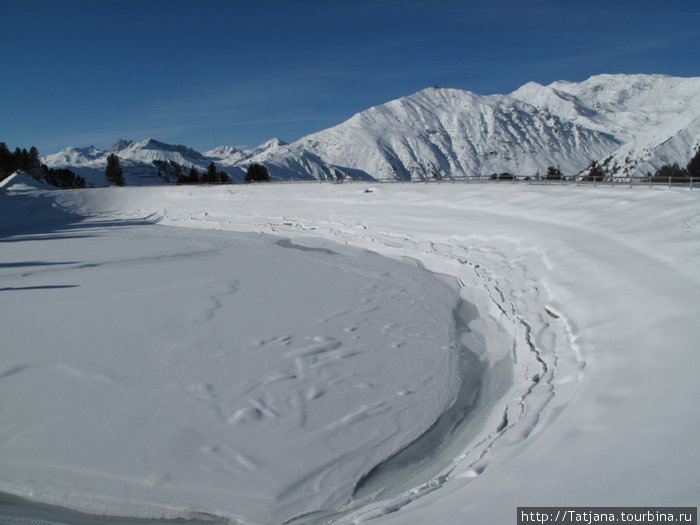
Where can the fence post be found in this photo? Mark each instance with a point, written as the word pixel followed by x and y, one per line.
pixel 669 182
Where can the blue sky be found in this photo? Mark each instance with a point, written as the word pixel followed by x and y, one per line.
pixel 206 73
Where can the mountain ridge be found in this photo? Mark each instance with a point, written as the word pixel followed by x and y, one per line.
pixel 630 124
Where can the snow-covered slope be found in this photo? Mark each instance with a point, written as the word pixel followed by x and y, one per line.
pixel 448 132
pixel 631 124
pixel 21 181
pixel 74 157
pixel 656 117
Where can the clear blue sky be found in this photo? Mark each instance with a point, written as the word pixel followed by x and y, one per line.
pixel 210 72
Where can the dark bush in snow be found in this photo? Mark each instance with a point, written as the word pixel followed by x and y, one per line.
pixel 671 172
pixel 553 173
pixel 257 173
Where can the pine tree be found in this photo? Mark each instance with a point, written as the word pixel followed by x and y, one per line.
pixel 671 172
pixel 210 176
pixel 595 172
pixel 193 177
pixel 553 173
pixel 25 160
pixel 34 167
pixel 693 167
pixel 114 172
pixel 257 173
pixel 7 161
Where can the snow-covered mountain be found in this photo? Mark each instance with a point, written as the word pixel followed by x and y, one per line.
pixel 149 150
pixel 632 124
pixel 73 156
pixel 230 156
pixel 140 160
pixel 447 132
pixel 655 117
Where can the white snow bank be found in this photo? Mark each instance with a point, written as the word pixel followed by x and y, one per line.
pixel 592 292
pixel 20 181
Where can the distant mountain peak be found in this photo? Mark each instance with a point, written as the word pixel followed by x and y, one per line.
pixel 220 151
pixel 272 143
pixel 121 144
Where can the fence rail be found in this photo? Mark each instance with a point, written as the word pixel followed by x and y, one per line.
pixel 477 179
pixel 691 183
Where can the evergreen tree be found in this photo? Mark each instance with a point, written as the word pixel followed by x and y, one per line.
pixel 62 177
pixel 693 167
pixel 210 176
pixel 34 167
pixel 22 160
pixel 257 173
pixel 671 172
pixel 595 172
pixel 7 161
pixel 553 173
pixel 114 172
pixel 193 177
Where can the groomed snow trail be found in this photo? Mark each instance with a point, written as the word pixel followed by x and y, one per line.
pixel 590 294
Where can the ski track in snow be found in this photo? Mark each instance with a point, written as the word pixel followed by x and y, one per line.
pixel 513 261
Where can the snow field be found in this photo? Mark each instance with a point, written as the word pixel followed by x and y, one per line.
pixel 172 371
pixel 588 295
